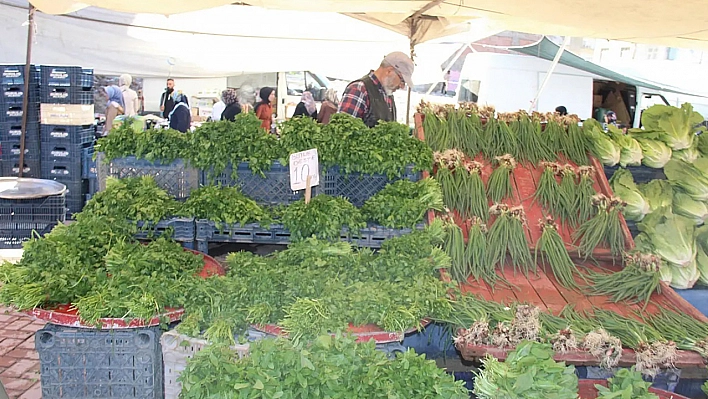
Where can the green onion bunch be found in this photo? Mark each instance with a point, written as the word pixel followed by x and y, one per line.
pixel 499 138
pixel 577 145
pixel 568 190
pixel 507 236
pixel 499 186
pixel 635 282
pixel 531 148
pixel 605 228
pixel 584 193
pixel 476 254
pixel 548 191
pixel 688 333
pixel 553 253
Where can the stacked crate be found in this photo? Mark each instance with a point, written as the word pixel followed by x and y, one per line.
pixel 64 146
pixel 12 90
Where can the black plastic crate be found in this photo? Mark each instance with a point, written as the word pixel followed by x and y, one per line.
pixel 11 168
pixel 13 148
pixel 62 171
pixel 15 94
pixel 62 153
pixel 13 113
pixel 66 76
pixel 66 95
pixel 183 229
pixel 15 238
pixel 17 213
pixel 82 363
pixel 63 135
pixel 88 164
pixel 642 174
pixel 177 177
pixel 13 75
pixel 13 131
pixel 76 191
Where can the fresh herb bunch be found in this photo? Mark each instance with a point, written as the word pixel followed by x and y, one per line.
pixel 568 193
pixel 636 282
pixel 161 145
pixel 626 383
pixel 358 368
pixel 532 149
pixel 225 205
pixel 552 251
pixel 584 193
pixel 507 236
pixel 324 217
pixel 604 228
pixel 500 138
pixel 301 134
pixel 529 372
pixel 500 187
pixel 216 145
pixel 403 203
pixel 135 199
pixel 122 141
pixel 548 192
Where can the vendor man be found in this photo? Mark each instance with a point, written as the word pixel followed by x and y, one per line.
pixel 371 97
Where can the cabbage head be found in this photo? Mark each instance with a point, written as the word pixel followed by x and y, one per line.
pixel 656 153
pixel 686 206
pixel 691 178
pixel 624 187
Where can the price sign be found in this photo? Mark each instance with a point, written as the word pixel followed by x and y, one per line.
pixel 302 165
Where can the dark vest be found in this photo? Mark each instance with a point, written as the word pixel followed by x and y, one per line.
pixel 378 107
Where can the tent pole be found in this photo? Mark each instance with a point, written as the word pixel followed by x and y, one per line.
pixel 408 100
pixel 454 60
pixel 26 92
pixel 556 59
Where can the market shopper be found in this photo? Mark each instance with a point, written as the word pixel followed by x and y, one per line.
pixel 561 110
pixel 180 117
pixel 371 97
pixel 264 109
pixel 218 107
pixel 233 108
pixel 114 107
pixel 130 97
pixel 246 98
pixel 167 100
pixel 610 118
pixel 329 106
pixel 307 106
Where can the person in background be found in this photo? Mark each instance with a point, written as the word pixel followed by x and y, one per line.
pixel 246 98
pixel 141 102
pixel 445 83
pixel 218 108
pixel 561 110
pixel 167 101
pixel 233 108
pixel 371 97
pixel 307 106
pixel 329 106
pixel 264 109
pixel 180 117
pixel 130 97
pixel 610 118
pixel 114 107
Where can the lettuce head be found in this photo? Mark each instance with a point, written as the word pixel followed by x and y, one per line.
pixel 658 193
pixel 676 125
pixel 688 155
pixel 671 236
pixel 685 277
pixel 630 150
pixel 624 187
pixel 604 149
pixel 656 153
pixel 686 206
pixel 691 178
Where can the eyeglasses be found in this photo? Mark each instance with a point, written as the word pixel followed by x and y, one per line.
pixel 403 82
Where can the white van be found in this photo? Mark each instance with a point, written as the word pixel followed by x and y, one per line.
pixel 510 82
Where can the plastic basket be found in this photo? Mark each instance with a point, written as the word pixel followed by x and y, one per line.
pixel 641 174
pixel 273 189
pixel 252 233
pixel 12 148
pixel 64 135
pixel 69 170
pixel 183 229
pixel 15 94
pixel 12 113
pixel 358 188
pixel 15 238
pixel 13 131
pixel 373 236
pixel 177 349
pixel 66 76
pixel 13 213
pixel 12 168
pixel 66 95
pixel 82 363
pixel 176 178
pixel 71 154
pixel 14 75
pixel 88 164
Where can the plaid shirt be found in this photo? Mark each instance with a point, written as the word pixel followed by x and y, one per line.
pixel 355 100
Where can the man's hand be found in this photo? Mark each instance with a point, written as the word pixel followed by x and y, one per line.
pixel 162 108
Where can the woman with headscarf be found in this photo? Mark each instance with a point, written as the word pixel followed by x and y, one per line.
pixel 264 109
pixel 329 106
pixel 114 107
pixel 307 106
pixel 246 98
pixel 130 97
pixel 233 108
pixel 180 116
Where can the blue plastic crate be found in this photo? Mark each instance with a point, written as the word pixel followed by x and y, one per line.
pixel 15 94
pixel 373 236
pixel 183 229
pixel 64 135
pixel 642 174
pixel 12 113
pixel 12 168
pixel 17 213
pixel 251 233
pixel 60 170
pixel 88 164
pixel 13 148
pixel 15 237
pixel 71 154
pixel 81 363
pixel 93 186
pixel 358 188
pixel 66 76
pixel 691 388
pixel 697 296
pixel 13 75
pixel 177 178
pixel 11 132
pixel 273 189
pixel 66 95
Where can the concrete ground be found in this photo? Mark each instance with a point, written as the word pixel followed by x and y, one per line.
pixel 19 362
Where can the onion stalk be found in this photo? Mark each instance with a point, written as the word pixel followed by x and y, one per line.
pixel 584 193
pixel 577 145
pixel 499 139
pixel 507 236
pixel 554 254
pixel 604 228
pixel 636 281
pixel 500 186
pixel 530 146
pixel 548 190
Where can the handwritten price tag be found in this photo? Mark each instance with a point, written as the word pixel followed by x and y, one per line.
pixel 302 165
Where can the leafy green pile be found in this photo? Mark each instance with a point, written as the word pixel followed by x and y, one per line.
pixel 328 367
pixel 225 205
pixel 324 217
pixel 626 383
pixel 135 199
pixel 315 286
pixel 623 186
pixel 403 203
pixel 163 145
pixel 95 264
pixel 528 372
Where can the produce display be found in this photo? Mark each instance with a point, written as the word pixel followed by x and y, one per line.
pixel 626 383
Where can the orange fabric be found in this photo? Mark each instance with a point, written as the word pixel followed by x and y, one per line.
pixel 265 114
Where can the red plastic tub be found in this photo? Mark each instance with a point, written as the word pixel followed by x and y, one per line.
pixel 587 390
